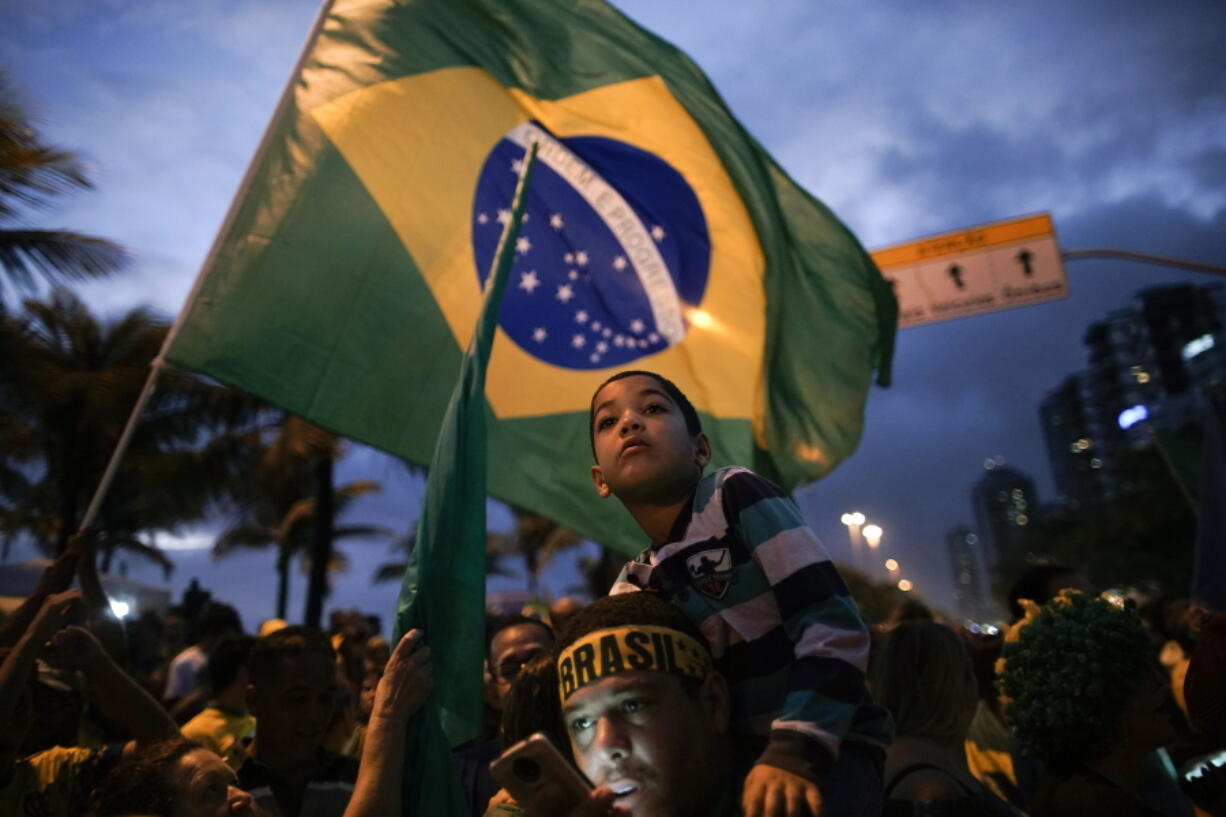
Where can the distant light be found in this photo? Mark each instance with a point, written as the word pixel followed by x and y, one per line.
pixel 904 585
pixel 1129 417
pixel 1143 377
pixel 120 608
pixel 852 519
pixel 1022 519
pixel 872 533
pixel 1205 766
pixel 971 538
pixel 891 564
pixel 1083 444
pixel 1096 463
pixel 1196 346
pixel 700 319
pixel 990 630
pixel 974 628
pixel 989 464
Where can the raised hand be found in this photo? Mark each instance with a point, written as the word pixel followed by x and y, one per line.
pixel 407 680
pixel 73 648
pixel 58 611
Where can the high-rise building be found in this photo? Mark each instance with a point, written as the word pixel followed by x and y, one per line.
pixel 1148 366
pixel 1003 500
pixel 1075 458
pixel 962 545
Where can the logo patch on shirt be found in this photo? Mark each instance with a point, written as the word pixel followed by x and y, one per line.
pixel 711 571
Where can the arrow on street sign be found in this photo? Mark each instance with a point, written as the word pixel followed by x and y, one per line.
pixel 991 267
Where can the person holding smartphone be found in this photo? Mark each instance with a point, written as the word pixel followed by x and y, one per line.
pixel 645 712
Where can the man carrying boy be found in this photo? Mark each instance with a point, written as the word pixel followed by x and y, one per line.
pixel 735 555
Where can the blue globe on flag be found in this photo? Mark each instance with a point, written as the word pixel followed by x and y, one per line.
pixel 604 271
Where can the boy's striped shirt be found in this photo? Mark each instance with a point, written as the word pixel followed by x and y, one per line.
pixel 744 566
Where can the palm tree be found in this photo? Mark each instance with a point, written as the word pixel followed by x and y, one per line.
pixel 31 175
pixel 67 385
pixel 534 538
pixel 279 498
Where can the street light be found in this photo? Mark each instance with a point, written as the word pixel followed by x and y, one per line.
pixel 853 521
pixel 892 566
pixel 872 535
pixel 904 585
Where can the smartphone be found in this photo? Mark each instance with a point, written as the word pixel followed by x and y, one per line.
pixel 534 764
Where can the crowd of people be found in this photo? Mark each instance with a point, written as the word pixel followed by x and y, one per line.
pixel 727 673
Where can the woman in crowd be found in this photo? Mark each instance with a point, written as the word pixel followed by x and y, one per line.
pixel 923 675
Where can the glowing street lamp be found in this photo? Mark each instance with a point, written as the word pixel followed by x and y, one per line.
pixel 904 585
pixel 892 566
pixel 872 535
pixel 853 521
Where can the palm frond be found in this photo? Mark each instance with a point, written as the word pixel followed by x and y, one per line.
pixel 57 256
pixel 134 545
pixel 342 532
pixel 242 536
pixel 389 572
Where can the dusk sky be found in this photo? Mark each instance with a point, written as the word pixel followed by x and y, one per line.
pixel 907 119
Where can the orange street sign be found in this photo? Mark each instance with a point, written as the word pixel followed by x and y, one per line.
pixel 980 269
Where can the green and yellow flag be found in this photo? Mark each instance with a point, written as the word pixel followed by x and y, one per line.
pixel 658 235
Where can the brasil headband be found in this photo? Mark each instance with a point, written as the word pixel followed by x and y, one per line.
pixel 636 647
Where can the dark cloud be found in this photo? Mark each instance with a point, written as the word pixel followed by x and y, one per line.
pixel 906 118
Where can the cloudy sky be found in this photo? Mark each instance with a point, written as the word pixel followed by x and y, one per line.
pixel 906 118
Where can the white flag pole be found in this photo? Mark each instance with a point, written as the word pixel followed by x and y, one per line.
pixel 159 362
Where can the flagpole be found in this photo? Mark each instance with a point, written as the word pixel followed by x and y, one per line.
pixel 159 362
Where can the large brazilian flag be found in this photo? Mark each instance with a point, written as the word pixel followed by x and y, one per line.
pixel 658 234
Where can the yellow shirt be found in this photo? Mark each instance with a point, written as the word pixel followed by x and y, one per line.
pixel 221 732
pixel 55 783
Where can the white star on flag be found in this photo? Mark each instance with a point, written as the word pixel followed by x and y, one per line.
pixel 565 293
pixel 517 165
pixel 528 281
pixel 539 334
pixel 581 258
pixel 619 340
pixel 607 332
pixel 578 341
pixel 619 263
pixel 595 358
pixel 596 325
pixel 573 275
pixel 657 232
pixel 504 216
pixel 581 316
pixel 482 218
pixel 555 221
pixel 637 326
pixel 522 244
pixel 602 347
pixel 569 258
pixel 653 338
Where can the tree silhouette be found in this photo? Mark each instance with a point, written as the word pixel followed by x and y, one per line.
pixel 68 382
pixel 32 175
pixel 277 498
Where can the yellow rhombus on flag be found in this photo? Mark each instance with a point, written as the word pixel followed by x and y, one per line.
pixel 659 235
